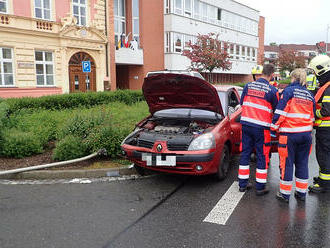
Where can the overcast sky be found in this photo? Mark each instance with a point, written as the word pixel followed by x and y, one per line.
pixel 293 21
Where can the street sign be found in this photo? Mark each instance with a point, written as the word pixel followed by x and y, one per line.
pixel 86 66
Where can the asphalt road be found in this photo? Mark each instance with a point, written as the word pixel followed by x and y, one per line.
pixel 159 211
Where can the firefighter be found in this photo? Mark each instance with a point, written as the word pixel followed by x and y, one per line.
pixel 293 118
pixel 311 82
pixel 258 101
pixel 321 66
pixel 256 72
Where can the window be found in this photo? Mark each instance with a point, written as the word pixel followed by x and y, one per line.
pixel 135 15
pixel 6 67
pixel 42 9
pixel 3 6
pixel 178 44
pixel 187 7
pixel 219 15
pixel 168 6
pixel 167 42
pixel 120 19
pixel 44 68
pixel 79 11
pixel 204 11
pixel 197 14
pixel 178 6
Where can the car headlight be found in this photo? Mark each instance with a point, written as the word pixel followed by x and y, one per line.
pixel 205 141
pixel 137 129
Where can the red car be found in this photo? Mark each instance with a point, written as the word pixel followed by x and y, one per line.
pixel 193 127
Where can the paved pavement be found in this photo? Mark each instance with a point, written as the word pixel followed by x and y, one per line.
pixel 158 211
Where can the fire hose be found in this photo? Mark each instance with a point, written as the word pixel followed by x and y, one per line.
pixel 37 167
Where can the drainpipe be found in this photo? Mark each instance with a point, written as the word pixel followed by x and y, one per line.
pixel 38 167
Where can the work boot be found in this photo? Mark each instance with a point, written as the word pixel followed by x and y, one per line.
pixel 243 189
pixel 262 191
pixel 299 196
pixel 281 197
pixel 316 188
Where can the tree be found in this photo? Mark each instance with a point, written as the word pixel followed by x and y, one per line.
pixel 207 54
pixel 288 60
pixel 272 44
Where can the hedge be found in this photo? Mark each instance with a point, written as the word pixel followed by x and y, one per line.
pixel 74 100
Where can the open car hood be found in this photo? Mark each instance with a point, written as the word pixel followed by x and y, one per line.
pixel 167 91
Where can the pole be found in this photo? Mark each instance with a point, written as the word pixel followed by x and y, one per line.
pixel 327 40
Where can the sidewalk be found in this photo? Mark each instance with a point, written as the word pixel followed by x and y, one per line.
pixel 67 174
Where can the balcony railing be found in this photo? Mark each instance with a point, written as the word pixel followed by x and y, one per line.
pixel 44 25
pixel 4 19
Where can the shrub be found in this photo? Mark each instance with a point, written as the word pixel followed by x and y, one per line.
pixel 70 147
pixel 108 137
pixel 74 100
pixel 18 144
pixel 81 124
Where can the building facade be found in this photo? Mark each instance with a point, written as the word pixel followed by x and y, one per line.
pixel 161 29
pixel 43 44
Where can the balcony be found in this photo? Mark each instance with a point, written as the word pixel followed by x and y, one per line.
pixel 128 56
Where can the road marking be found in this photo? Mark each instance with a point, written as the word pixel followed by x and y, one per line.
pixel 225 206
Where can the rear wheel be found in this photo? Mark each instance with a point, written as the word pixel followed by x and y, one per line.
pixel 224 164
pixel 140 170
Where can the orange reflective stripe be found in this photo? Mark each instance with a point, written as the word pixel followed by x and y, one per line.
pixel 285 187
pixel 301 185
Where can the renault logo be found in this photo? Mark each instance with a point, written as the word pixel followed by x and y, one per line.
pixel 159 147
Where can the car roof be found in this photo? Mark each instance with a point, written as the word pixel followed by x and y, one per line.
pixel 224 87
pixel 185 72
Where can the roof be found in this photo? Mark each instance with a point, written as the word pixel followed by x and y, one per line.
pixel 272 49
pixel 298 47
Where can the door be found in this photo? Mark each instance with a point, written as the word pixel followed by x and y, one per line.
pixel 80 81
pixel 234 112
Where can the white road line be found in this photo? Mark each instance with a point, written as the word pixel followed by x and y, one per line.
pixel 225 206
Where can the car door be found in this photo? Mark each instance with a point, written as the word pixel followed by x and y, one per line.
pixel 235 116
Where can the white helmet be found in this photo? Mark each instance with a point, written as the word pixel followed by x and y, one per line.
pixel 320 64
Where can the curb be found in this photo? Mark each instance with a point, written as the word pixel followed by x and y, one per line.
pixel 70 174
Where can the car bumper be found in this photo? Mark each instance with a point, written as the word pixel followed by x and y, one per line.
pixel 188 164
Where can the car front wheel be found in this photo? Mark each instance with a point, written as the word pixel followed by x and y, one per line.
pixel 140 170
pixel 224 164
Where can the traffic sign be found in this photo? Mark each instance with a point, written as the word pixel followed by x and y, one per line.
pixel 86 66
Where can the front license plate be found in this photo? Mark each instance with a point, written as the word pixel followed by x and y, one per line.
pixel 157 160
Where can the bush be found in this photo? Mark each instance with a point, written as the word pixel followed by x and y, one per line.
pixel 74 100
pixel 81 124
pixel 108 137
pixel 18 144
pixel 70 147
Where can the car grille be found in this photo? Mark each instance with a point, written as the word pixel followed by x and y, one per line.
pixel 177 147
pixel 171 147
pixel 144 143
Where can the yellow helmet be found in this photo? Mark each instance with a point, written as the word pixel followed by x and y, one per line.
pixel 320 64
pixel 257 69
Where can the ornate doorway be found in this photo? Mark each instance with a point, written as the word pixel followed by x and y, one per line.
pixel 79 80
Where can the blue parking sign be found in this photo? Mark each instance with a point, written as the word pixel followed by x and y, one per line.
pixel 86 66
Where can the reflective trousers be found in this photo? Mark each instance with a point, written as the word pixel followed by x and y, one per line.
pixel 322 147
pixel 258 139
pixel 294 148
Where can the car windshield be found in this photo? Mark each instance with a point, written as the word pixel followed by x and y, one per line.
pixel 187 113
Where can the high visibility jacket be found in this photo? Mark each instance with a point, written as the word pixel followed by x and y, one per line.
pixel 311 82
pixel 322 99
pixel 295 110
pixel 258 102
